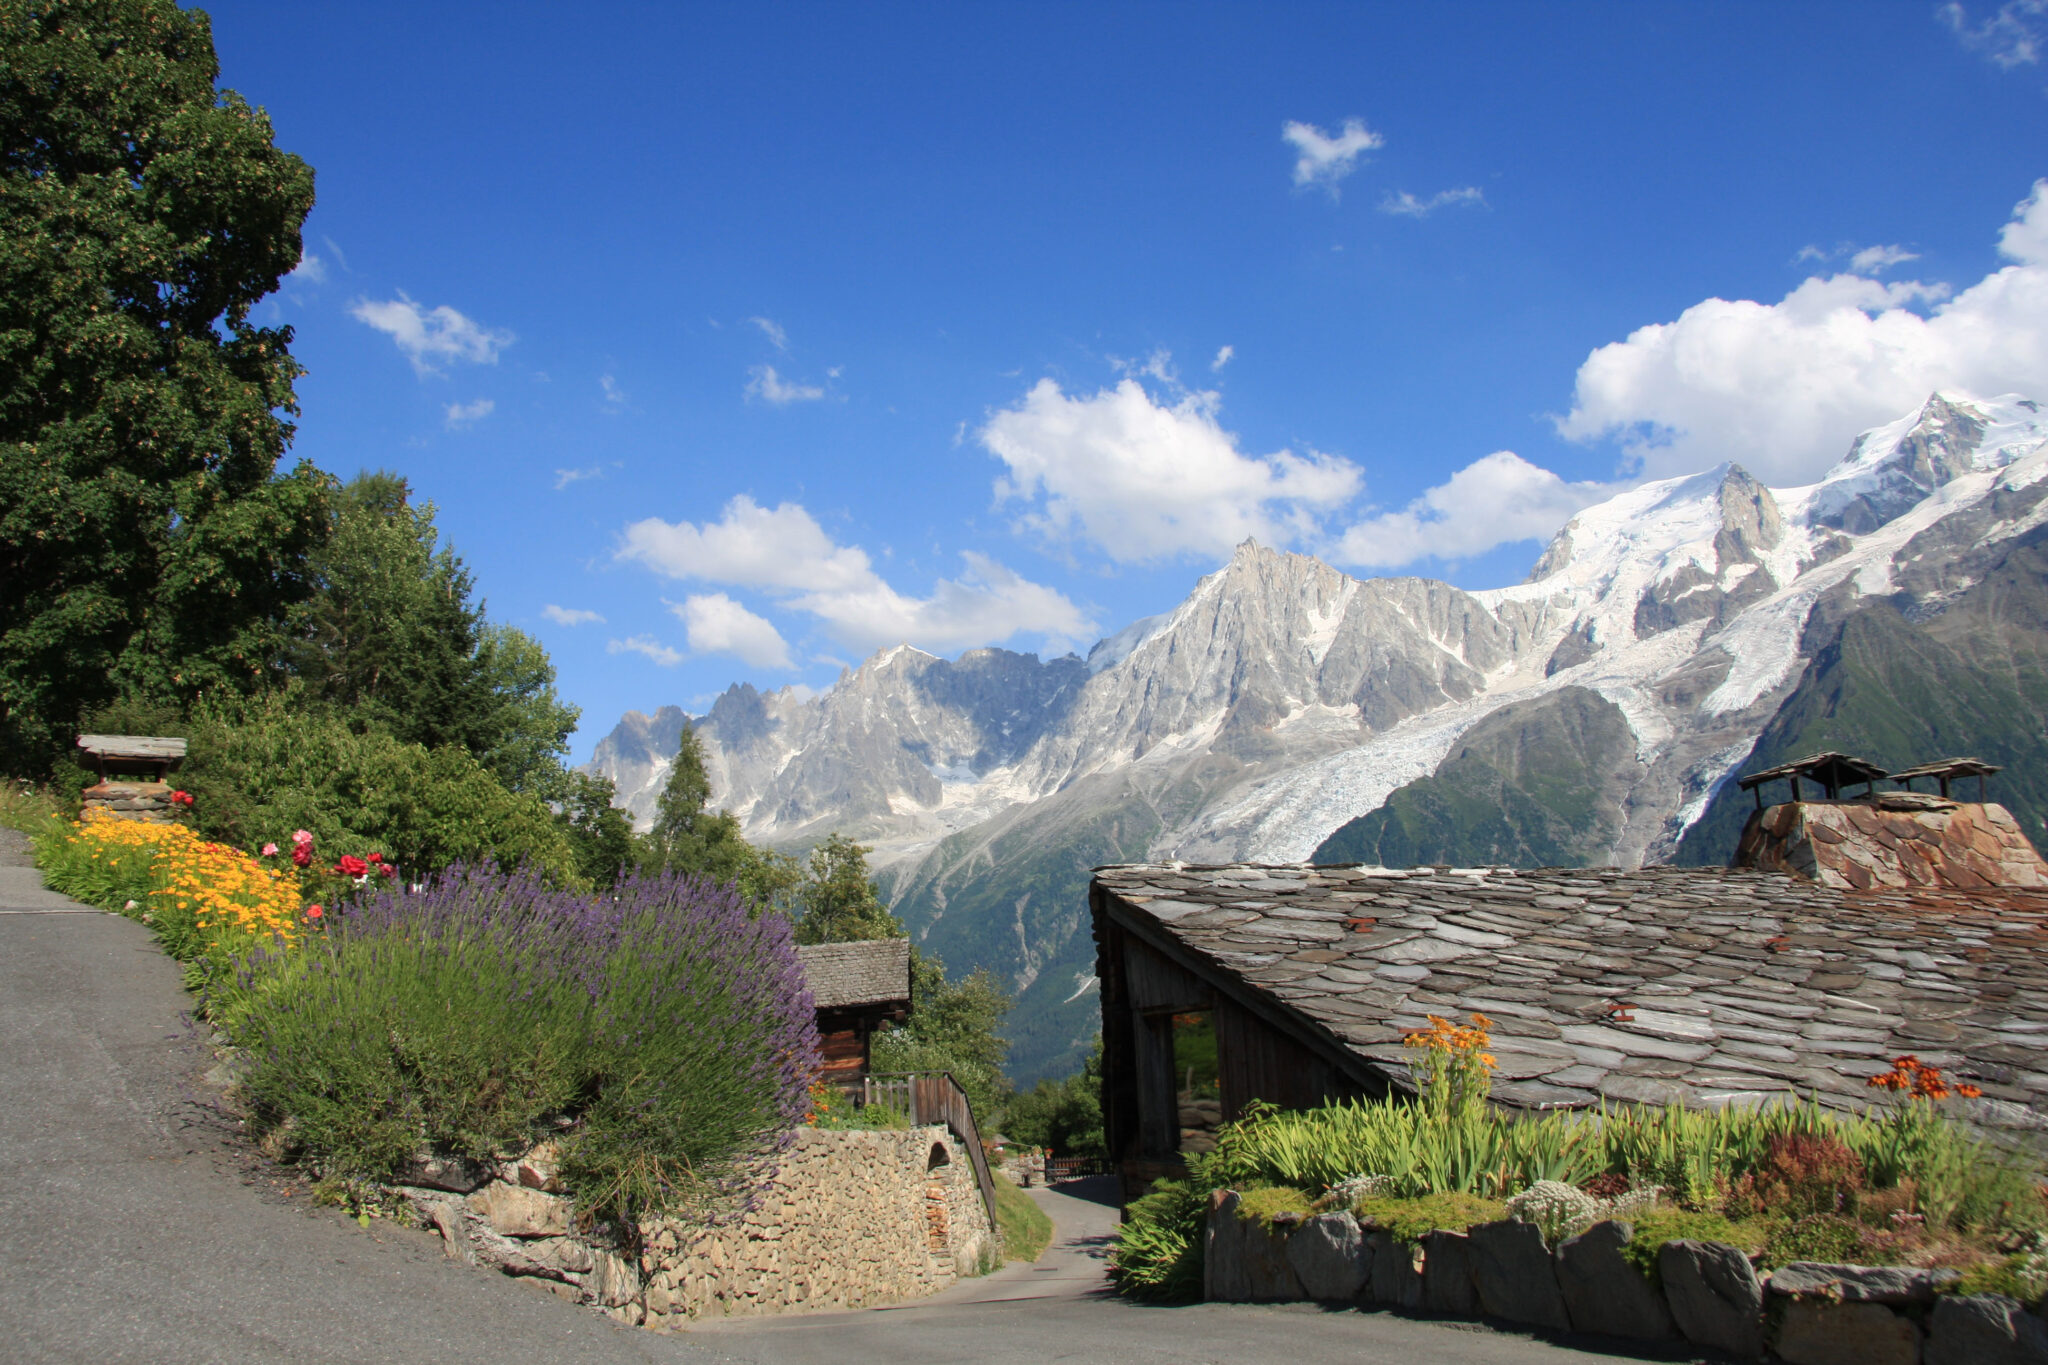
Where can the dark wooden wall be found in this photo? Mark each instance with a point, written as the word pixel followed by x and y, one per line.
pixel 1258 1056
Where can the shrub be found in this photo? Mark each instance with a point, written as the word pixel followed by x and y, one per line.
pixel 1158 1251
pixel 664 1034
pixel 1824 1237
pixel 263 767
pixel 1798 1174
pixel 1557 1209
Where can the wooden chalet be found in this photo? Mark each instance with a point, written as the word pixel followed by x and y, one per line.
pixel 1701 986
pixel 855 987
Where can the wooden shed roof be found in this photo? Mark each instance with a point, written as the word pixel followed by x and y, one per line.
pixel 1700 985
pixel 849 975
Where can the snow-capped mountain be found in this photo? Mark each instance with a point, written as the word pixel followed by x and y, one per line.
pixel 1282 698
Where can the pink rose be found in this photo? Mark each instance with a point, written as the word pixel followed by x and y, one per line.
pixel 270 850
pixel 302 836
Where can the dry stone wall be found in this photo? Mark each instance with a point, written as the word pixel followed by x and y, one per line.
pixel 1708 1295
pixel 840 1219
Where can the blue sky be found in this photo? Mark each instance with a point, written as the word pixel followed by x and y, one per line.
pixel 736 342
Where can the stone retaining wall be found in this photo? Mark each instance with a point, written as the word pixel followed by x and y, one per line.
pixel 129 800
pixel 1710 1296
pixel 847 1219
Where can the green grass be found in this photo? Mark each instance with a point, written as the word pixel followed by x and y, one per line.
pixel 1026 1228
pixel 27 807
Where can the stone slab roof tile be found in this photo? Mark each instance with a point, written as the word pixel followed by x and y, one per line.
pixel 1707 985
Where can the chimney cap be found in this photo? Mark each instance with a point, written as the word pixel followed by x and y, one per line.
pixel 1831 770
pixel 1948 767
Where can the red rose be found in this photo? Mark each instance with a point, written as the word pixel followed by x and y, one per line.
pixel 314 912
pixel 376 857
pixel 351 866
pixel 302 854
pixel 387 869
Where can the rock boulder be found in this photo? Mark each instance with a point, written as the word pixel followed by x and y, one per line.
pixel 1604 1293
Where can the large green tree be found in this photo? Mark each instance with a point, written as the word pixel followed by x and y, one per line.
pixel 147 543
pixel 391 637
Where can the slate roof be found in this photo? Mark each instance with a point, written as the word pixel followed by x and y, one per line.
pixel 1707 986
pixel 847 975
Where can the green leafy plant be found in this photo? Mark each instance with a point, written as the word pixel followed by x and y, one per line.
pixel 1158 1251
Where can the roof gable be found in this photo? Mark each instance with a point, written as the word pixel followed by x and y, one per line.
pixel 848 975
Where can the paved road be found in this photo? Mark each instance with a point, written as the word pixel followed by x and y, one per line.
pixel 131 1230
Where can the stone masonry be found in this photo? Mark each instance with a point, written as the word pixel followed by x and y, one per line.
pixel 1924 842
pixel 840 1219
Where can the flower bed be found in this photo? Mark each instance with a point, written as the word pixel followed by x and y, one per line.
pixel 658 1035
pixel 206 902
pixel 1397 1186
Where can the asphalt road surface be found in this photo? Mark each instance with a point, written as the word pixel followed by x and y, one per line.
pixel 133 1228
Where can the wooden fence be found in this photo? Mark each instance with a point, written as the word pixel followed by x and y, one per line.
pixel 934 1097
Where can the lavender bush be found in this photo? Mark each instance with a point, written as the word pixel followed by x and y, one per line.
pixel 659 1032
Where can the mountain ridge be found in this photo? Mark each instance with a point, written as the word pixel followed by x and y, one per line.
pixel 1283 698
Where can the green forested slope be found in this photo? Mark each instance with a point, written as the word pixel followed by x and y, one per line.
pixel 1532 785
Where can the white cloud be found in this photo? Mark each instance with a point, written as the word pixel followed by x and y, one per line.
pixel 1223 357
pixel 1147 481
pixel 565 477
pixel 458 415
pixel 571 616
pixel 783 550
pixel 1406 205
pixel 1493 501
pixel 2013 36
pixel 771 387
pixel 310 270
pixel 614 396
pixel 1875 260
pixel 1777 387
pixel 1324 160
pixel 650 647
pixel 772 329
pixel 430 335
pixel 758 547
pixel 719 625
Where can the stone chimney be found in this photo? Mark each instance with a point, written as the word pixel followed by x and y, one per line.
pixel 1897 838
pixel 1902 839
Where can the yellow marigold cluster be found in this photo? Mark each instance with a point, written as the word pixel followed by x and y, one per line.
pixel 229 893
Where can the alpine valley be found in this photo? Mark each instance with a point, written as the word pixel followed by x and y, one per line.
pixel 1596 713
